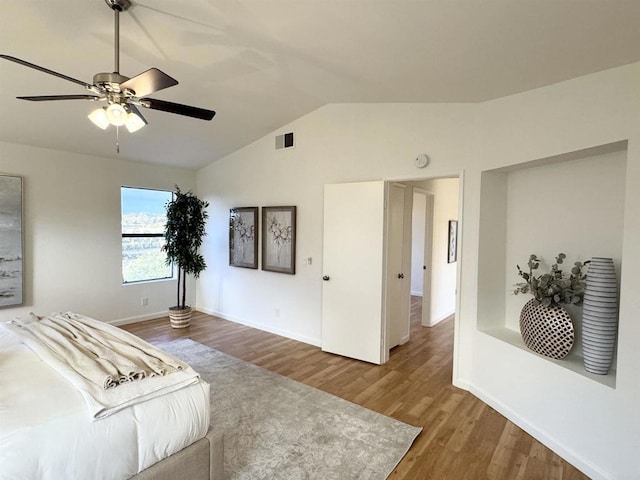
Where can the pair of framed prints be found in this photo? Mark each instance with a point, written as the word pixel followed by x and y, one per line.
pixel 278 238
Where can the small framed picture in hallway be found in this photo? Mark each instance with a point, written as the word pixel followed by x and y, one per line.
pixel 453 241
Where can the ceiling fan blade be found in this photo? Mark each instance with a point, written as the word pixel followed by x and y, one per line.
pixel 44 98
pixel 178 108
pixel 45 70
pixel 148 82
pixel 135 110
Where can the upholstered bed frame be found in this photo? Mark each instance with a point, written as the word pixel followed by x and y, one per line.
pixel 202 460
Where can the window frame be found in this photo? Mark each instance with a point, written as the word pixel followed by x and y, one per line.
pixel 141 235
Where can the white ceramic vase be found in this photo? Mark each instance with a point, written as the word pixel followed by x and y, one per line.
pixel 599 316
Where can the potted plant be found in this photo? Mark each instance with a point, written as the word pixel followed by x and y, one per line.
pixel 555 287
pixel 183 233
pixel 545 326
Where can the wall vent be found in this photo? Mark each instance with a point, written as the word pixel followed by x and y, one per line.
pixel 284 141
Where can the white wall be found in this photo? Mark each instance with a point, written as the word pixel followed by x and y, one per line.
pixel 73 253
pixel 594 426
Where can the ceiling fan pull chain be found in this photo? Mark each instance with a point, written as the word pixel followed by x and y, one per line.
pixel 117 139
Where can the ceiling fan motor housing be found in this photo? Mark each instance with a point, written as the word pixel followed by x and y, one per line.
pixel 118 5
pixel 110 81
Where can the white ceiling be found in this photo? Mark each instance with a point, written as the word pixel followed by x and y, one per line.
pixel 263 63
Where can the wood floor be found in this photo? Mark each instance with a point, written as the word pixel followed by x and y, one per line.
pixel 462 437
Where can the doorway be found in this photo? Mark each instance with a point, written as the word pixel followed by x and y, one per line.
pixel 356 274
pixel 439 287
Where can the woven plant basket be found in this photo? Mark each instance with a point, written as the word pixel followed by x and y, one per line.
pixel 546 330
pixel 180 317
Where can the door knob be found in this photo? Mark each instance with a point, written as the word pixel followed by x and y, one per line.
pixel 401 275
pixel 424 267
pixel 325 278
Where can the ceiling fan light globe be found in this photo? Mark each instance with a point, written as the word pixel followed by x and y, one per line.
pixel 134 122
pixel 116 114
pixel 99 118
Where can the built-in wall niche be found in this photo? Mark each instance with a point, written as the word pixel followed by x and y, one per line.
pixel 571 203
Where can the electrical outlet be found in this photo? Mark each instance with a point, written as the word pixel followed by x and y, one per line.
pixel 277 312
pixel 144 301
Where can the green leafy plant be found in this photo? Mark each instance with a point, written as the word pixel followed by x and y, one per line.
pixel 554 287
pixel 183 234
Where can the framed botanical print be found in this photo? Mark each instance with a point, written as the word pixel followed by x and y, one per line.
pixel 279 239
pixel 453 241
pixel 243 237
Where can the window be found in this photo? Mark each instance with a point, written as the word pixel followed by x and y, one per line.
pixel 143 220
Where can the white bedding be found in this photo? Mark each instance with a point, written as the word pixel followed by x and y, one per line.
pixel 105 364
pixel 45 433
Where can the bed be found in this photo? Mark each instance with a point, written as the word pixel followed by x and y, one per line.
pixel 48 429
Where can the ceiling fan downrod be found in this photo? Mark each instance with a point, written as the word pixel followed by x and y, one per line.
pixel 117 6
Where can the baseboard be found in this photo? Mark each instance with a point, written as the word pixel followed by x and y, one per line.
pixel 140 318
pixel 462 385
pixel 265 328
pixel 440 319
pixel 557 447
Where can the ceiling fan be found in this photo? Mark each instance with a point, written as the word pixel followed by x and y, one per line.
pixel 122 94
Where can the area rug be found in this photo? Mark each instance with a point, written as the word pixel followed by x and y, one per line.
pixel 277 428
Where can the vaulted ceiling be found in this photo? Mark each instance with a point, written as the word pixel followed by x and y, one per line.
pixel 263 63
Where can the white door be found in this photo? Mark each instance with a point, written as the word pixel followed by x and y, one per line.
pixel 427 268
pixel 397 302
pixel 417 242
pixel 352 268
